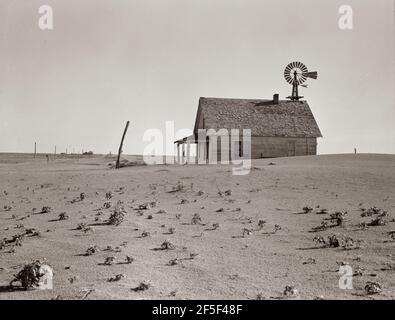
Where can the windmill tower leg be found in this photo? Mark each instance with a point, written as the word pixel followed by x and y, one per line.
pixel 295 94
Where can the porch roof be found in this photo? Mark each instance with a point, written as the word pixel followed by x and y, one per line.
pixel 191 139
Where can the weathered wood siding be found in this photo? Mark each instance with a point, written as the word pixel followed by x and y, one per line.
pixel 262 147
pixel 271 147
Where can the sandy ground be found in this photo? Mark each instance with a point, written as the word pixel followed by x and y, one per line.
pixel 227 265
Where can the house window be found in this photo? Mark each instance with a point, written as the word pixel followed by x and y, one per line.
pixel 240 148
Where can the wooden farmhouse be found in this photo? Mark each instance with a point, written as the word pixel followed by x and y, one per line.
pixel 279 128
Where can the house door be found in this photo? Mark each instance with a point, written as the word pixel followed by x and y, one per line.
pixel 291 148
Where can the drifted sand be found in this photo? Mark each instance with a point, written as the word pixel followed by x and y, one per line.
pixel 227 266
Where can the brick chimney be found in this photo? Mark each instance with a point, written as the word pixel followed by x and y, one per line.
pixel 275 98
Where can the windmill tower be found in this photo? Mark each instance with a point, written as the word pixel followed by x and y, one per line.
pixel 296 73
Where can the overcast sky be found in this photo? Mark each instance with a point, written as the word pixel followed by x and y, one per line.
pixel 149 61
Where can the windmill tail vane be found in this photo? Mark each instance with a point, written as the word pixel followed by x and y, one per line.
pixel 296 73
pixel 312 75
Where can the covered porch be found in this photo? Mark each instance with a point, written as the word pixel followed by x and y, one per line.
pixel 183 154
pixel 211 148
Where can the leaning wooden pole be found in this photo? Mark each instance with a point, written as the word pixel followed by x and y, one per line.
pixel 120 146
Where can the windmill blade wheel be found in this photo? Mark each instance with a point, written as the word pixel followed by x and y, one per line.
pixel 295 73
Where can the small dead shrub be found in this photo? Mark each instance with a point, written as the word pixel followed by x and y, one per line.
pixel 117 217
pixel 63 216
pixel 332 241
pixel 147 205
pixel 112 249
pixel 91 250
pixel 82 226
pixel 349 243
pixel 167 245
pixel 109 261
pixel 372 211
pixel 307 209
pixel 324 225
pixel 108 195
pixel 363 225
pixel 3 243
pixel 310 261
pixel 192 256
pixel 145 234
pixel 142 286
pixel 30 275
pixel 173 262
pixel 32 232
pixel 261 224
pixel 17 240
pixel 378 221
pixel 107 205
pixel 196 219
pixel 179 187
pixel 116 278
pixel 322 211
pixel 46 209
pixel 129 260
pixel 215 226
pixel 373 287
pixel 246 232
pixel 338 217
pixel 291 291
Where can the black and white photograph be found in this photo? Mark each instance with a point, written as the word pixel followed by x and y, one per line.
pixel 212 150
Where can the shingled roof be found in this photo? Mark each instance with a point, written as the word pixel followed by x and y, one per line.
pixel 263 117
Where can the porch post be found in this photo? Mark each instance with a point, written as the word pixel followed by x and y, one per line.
pixel 188 151
pixel 178 153
pixel 197 153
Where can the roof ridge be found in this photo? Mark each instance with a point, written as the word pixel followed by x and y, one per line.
pixel 252 99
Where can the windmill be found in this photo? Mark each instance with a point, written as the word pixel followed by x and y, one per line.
pixel 296 73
